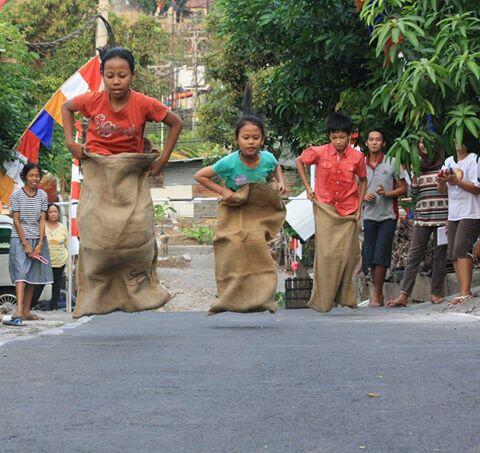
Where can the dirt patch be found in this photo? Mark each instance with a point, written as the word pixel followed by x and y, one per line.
pixel 174 261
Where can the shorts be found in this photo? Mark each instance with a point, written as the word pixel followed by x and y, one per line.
pixel 462 235
pixel 377 242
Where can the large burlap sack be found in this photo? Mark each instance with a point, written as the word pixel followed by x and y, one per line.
pixel 245 272
pixel 337 252
pixel 117 268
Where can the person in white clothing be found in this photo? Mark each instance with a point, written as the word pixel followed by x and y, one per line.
pixel 460 178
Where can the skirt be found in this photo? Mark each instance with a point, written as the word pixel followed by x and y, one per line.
pixel 25 269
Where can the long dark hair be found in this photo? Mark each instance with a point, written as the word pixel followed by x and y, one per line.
pixel 432 161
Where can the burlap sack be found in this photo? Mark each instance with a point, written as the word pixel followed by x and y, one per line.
pixel 245 272
pixel 117 268
pixel 337 252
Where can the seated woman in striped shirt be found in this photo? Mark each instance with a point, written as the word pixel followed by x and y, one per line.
pixel 29 259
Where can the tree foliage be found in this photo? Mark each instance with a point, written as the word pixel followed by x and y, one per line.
pixel 300 55
pixel 16 88
pixel 430 80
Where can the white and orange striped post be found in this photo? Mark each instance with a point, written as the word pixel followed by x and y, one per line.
pixel 73 227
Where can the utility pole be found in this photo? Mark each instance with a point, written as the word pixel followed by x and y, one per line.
pixel 195 40
pixel 101 35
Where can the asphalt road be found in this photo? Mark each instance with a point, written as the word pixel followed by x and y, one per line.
pixel 293 381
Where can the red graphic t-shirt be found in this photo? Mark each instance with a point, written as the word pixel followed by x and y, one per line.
pixel 112 132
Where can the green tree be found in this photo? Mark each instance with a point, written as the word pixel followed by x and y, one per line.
pixel 16 88
pixel 430 80
pixel 299 55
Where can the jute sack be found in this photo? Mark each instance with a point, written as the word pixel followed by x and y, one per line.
pixel 245 272
pixel 337 252
pixel 117 267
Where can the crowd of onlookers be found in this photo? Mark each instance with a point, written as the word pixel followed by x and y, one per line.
pixel 446 206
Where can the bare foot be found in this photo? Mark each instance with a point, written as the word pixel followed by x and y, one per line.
pixel 376 301
pixel 32 317
pixel 436 299
pixel 400 301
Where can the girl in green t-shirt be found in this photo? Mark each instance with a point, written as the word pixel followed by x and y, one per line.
pixel 247 165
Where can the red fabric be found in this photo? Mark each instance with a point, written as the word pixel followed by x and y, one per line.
pixel 30 146
pixel 91 74
pixel 112 132
pixel 336 180
pixel 370 164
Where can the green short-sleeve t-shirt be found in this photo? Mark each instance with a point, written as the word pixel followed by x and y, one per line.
pixel 236 174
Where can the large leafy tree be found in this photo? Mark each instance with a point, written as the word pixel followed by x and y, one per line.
pixel 298 55
pixel 430 80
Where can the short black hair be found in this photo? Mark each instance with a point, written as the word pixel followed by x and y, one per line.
pixel 339 122
pixel 250 119
pixel 27 167
pixel 115 52
pixel 380 130
pixel 470 142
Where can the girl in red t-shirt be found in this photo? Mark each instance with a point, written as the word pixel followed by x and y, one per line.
pixel 118 114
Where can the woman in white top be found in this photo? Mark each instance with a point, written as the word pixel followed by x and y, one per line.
pixel 460 178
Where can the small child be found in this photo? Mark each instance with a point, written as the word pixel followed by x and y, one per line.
pixel 247 165
pixel 250 214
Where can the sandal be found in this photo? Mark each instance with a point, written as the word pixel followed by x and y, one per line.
pixel 394 304
pixel 13 322
pixel 459 299
pixel 20 317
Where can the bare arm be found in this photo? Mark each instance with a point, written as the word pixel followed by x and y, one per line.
pixel 278 175
pixel 303 176
pixel 175 124
pixel 468 186
pixel 68 118
pixel 204 177
pixel 38 248
pixel 361 195
pixel 21 234
pixel 442 185
pixel 402 189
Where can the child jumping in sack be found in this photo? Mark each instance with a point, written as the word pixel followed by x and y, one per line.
pixel 250 213
pixel 118 251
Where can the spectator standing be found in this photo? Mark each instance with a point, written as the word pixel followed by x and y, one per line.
pixel 431 212
pixel 380 211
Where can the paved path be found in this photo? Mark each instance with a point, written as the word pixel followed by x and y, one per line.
pixel 293 381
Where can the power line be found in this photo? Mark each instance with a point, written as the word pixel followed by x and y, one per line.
pixel 45 46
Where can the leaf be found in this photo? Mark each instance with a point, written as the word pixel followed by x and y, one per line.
pixel 459 135
pixel 373 395
pixel 474 68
